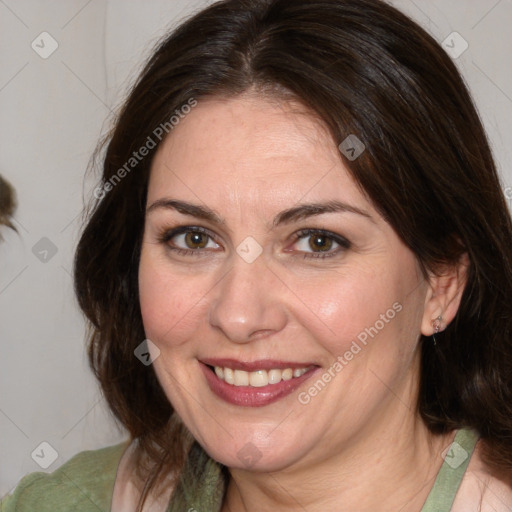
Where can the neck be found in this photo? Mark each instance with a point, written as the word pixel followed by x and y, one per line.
pixel 389 465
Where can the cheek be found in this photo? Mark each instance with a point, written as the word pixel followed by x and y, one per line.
pixel 365 306
pixel 346 302
pixel 171 304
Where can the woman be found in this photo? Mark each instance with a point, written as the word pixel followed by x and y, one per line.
pixel 298 276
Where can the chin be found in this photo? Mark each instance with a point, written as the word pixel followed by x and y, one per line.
pixel 257 452
pixel 250 458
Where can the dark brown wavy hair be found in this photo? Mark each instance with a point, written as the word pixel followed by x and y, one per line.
pixel 363 68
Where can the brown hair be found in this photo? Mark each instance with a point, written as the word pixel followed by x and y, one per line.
pixel 365 69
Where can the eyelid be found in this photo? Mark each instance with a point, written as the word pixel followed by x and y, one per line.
pixel 343 243
pixel 168 234
pixel 341 240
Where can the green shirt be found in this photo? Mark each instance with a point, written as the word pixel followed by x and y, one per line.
pixel 86 482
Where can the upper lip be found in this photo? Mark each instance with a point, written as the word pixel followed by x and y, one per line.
pixel 251 366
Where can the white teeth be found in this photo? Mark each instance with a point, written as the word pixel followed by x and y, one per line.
pixel 274 376
pixel 287 374
pixel 258 378
pixel 241 378
pixel 229 376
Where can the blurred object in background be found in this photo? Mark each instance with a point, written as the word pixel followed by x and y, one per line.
pixel 7 203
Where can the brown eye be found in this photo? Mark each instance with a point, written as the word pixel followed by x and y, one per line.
pixel 191 239
pixel 196 240
pixel 320 243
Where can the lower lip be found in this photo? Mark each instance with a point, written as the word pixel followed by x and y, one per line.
pixel 248 396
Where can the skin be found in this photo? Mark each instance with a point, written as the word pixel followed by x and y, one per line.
pixel 359 443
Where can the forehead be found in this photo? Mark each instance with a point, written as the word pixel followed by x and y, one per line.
pixel 250 149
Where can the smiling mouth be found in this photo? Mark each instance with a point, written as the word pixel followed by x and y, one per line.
pixel 254 384
pixel 258 378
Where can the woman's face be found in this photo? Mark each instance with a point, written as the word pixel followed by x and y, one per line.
pixel 262 257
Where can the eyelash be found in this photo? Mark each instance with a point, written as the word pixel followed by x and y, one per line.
pixel 343 243
pixel 167 235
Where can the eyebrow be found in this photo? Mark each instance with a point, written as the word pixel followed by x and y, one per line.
pixel 288 216
pixel 201 212
pixel 303 211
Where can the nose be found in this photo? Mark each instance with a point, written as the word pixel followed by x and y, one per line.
pixel 248 302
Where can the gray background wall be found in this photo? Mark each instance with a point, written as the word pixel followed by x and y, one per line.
pixel 53 111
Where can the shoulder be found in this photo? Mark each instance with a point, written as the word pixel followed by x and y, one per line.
pixel 481 490
pixel 83 483
pixel 128 488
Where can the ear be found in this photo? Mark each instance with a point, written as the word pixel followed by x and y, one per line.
pixel 444 295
